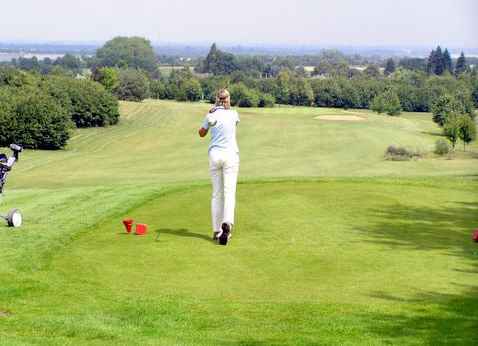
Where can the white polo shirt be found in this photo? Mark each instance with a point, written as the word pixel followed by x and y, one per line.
pixel 223 133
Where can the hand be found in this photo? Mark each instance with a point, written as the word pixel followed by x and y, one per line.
pixel 211 121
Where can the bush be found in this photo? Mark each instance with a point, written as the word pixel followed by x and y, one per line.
pixel 15 78
pixel 394 153
pixel 451 128
pixel 108 77
pixel 158 90
pixel 242 96
pixel 87 102
pixel 33 119
pixel 266 101
pixel 467 130
pixel 387 102
pixel 442 147
pixel 133 86
pixel 189 90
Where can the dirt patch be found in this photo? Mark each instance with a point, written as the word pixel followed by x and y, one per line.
pixel 5 314
pixel 340 118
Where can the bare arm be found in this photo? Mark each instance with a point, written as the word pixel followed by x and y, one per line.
pixel 202 132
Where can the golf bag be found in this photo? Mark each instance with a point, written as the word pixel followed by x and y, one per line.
pixel 14 217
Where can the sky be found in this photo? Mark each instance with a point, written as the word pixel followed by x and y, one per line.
pixel 297 22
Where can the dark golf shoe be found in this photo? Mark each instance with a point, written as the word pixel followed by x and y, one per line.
pixel 226 233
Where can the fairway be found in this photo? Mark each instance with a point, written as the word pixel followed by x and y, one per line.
pixel 333 245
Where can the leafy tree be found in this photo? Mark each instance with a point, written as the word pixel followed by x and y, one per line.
pixel 378 104
pixel 372 71
pixel 451 128
pixel 211 85
pixel 190 90
pixel 108 77
pixel 32 118
pixel 218 62
pixel 87 102
pixel 389 67
pixel 467 130
pixel 266 100
pixel 158 90
pixel 69 62
pixel 387 102
pixel 133 86
pixel 301 93
pixel 461 65
pixel 414 64
pixel 283 81
pixel 15 78
pixel 474 92
pixel 443 107
pixel 242 96
pixel 127 52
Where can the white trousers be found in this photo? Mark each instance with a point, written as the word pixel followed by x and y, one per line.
pixel 224 168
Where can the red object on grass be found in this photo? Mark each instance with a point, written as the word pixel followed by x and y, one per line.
pixel 475 235
pixel 141 229
pixel 128 224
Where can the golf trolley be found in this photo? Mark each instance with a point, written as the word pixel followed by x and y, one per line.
pixel 14 217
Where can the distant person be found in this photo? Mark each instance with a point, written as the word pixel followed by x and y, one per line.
pixel 223 164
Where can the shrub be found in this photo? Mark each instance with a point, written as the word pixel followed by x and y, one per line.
pixel 34 119
pixel 395 153
pixel 442 147
pixel 451 128
pixel 158 90
pixel 108 77
pixel 189 90
pixel 133 86
pixel 242 96
pixel 467 130
pixel 15 78
pixel 87 102
pixel 387 102
pixel 266 101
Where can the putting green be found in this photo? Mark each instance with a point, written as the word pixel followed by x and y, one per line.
pixel 311 262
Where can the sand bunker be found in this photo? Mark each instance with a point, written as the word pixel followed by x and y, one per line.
pixel 340 118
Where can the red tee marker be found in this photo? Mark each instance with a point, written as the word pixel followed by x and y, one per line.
pixel 475 235
pixel 141 229
pixel 128 224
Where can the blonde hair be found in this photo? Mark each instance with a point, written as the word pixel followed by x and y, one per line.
pixel 223 98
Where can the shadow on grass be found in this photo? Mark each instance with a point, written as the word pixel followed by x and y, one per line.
pixel 425 228
pixel 434 318
pixel 433 133
pixel 448 319
pixel 182 232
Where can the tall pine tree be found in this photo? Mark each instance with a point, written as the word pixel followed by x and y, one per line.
pixel 389 67
pixel 436 62
pixel 461 66
pixel 439 67
pixel 447 63
pixel 431 62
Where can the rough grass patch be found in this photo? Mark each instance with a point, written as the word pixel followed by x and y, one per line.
pixel 397 153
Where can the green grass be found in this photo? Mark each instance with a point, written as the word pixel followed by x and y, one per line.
pixel 334 245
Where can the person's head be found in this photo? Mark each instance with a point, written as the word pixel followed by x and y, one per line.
pixel 223 98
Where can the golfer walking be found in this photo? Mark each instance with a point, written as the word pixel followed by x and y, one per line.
pixel 223 164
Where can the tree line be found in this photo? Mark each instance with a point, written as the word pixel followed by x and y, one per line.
pixel 127 68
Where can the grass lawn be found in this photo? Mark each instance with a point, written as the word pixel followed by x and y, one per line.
pixel 333 244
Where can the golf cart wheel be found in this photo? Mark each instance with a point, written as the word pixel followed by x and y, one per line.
pixel 14 218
